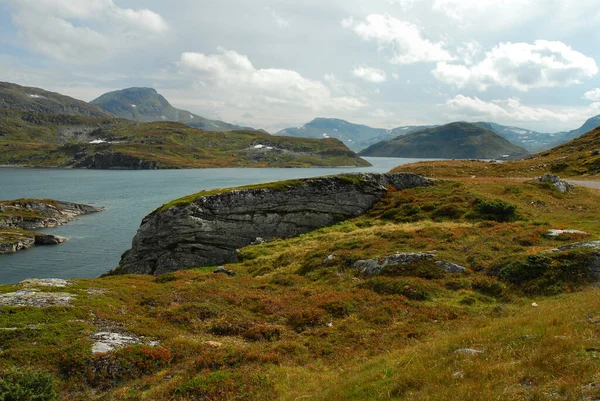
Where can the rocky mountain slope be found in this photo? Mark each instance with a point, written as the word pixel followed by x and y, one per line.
pixel 451 141
pixel 207 228
pixel 19 216
pixel 16 97
pixel 35 139
pixel 147 105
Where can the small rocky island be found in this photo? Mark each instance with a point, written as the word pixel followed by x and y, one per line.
pixel 19 217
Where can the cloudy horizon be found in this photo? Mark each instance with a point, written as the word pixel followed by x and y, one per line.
pixel 278 64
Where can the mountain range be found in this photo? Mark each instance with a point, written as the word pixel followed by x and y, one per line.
pixel 44 129
pixel 359 137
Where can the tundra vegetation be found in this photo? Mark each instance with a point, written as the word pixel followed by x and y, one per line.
pixel 298 321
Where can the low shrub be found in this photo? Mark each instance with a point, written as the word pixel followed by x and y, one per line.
pixel 306 317
pixel 497 210
pixel 226 385
pixel 24 384
pixel 412 289
pixel 108 369
pixel 548 275
pixel 449 211
pixel 263 332
pixel 490 286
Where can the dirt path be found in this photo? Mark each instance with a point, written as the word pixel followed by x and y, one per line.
pixel 585 183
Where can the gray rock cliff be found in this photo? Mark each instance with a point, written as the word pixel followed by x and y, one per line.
pixel 208 230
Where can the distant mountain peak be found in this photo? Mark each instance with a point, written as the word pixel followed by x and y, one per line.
pixel 147 105
pixel 457 140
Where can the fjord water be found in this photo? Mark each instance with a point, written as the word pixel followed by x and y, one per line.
pixel 97 241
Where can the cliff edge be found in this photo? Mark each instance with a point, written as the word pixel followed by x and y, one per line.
pixel 207 228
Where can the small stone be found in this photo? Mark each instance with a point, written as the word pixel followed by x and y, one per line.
pixel 458 375
pixel 451 267
pixel 534 304
pixel 223 270
pixel 49 239
pixel 468 351
pixel 330 324
pixel 526 337
pixel 328 259
pixel 595 152
pixel 556 233
pixel 258 241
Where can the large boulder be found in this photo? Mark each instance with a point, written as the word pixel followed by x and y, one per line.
pixel 208 230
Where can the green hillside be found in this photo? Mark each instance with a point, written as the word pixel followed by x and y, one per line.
pixel 17 97
pixel 452 141
pixel 35 139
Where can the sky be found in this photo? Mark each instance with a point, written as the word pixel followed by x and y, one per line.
pixel 274 64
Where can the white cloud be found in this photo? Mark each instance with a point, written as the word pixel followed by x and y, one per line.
pixel 460 10
pixel 403 39
pixel 380 113
pixel 233 76
pixel 373 75
pixel 522 66
pixel 277 18
pixel 511 110
pixel 81 30
pixel 593 95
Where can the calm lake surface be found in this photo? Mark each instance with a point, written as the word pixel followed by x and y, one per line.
pixel 97 241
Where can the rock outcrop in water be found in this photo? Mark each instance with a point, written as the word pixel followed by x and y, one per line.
pixel 18 216
pixel 207 230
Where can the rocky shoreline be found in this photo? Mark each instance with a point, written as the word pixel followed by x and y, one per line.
pixel 19 216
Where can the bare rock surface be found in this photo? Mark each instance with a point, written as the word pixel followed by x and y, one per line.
pixel 373 267
pixel 561 185
pixel 106 341
pixel 208 230
pixel 44 282
pixel 29 214
pixel 556 233
pixel 36 298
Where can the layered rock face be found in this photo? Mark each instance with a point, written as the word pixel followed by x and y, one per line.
pixel 208 230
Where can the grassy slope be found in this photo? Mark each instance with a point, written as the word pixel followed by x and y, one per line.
pixel 455 140
pixel 16 97
pixel 46 140
pixel 291 326
pixel 573 159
